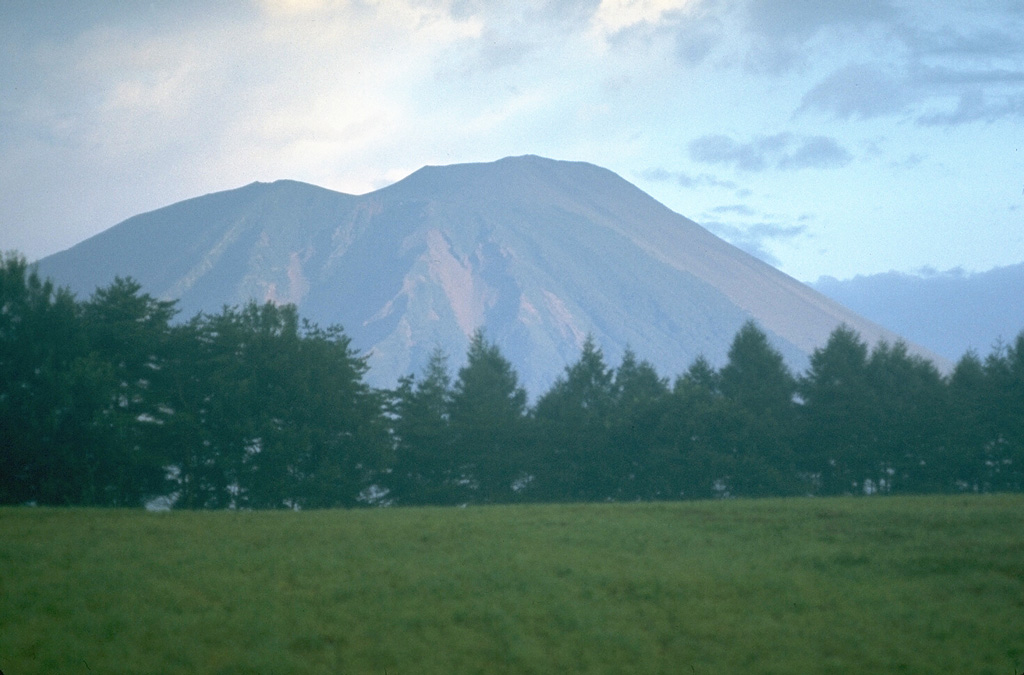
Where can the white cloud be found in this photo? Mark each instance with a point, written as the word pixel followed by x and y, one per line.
pixel 614 16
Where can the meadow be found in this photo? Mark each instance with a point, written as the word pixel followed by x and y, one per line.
pixel 838 585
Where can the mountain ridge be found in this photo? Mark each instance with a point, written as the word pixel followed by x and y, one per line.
pixel 538 252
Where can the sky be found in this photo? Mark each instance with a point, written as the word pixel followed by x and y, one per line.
pixel 829 138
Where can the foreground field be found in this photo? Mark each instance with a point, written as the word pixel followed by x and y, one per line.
pixel 872 585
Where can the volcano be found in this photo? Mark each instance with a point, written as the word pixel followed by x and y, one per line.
pixel 539 253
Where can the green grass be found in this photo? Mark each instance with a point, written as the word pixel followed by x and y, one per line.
pixel 870 585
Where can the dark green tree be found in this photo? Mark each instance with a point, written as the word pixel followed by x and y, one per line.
pixel 1004 404
pixel 572 422
pixel 909 419
pixel 642 468
pixel 272 412
pixel 335 422
pixel 971 425
pixel 424 468
pixel 211 422
pixel 128 335
pixel 758 423
pixel 43 390
pixel 696 464
pixel 837 446
pixel 488 417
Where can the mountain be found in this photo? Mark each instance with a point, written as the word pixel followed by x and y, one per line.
pixel 538 252
pixel 947 312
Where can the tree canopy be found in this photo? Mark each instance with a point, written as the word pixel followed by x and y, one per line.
pixel 115 401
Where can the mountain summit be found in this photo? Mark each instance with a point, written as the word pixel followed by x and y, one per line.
pixel 540 253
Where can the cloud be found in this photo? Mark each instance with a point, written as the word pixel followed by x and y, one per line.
pixel 754 238
pixel 973 42
pixel 783 151
pixel 696 38
pixel 911 161
pixel 803 18
pixel 950 68
pixel 858 91
pixel 816 152
pixel 768 36
pixel 781 33
pixel 686 180
pixel 738 209
pixel 975 105
pixel 864 91
pixel 614 16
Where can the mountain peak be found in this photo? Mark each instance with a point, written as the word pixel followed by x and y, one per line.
pixel 538 252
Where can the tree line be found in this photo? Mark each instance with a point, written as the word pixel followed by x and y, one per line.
pixel 110 401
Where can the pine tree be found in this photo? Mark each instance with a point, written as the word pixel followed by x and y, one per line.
pixel 836 444
pixel 971 428
pixel 1004 371
pixel 423 470
pixel 488 424
pixel 573 421
pixel 908 425
pixel 759 420
pixel 642 468
pixel 696 461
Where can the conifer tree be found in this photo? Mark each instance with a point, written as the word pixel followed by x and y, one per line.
pixel 488 424
pixel 971 427
pixel 643 470
pixel 836 444
pixel 573 421
pixel 1004 371
pixel 758 423
pixel 692 429
pixel 423 471
pixel 908 424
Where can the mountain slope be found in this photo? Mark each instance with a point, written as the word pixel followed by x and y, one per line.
pixel 538 252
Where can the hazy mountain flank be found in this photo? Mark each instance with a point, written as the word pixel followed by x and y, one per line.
pixel 538 252
pixel 947 312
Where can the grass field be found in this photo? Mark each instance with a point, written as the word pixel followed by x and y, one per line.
pixel 866 585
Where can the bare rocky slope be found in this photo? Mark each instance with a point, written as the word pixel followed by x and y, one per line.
pixel 538 252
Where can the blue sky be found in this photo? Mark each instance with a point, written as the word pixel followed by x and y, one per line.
pixel 829 138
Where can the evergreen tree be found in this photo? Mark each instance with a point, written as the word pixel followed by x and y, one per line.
pixel 488 424
pixel 701 376
pixel 423 470
pixel 759 420
pixel 1004 370
pixel 836 415
pixel 971 428
pixel 642 468
pixel 696 463
pixel 908 425
pixel 573 421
